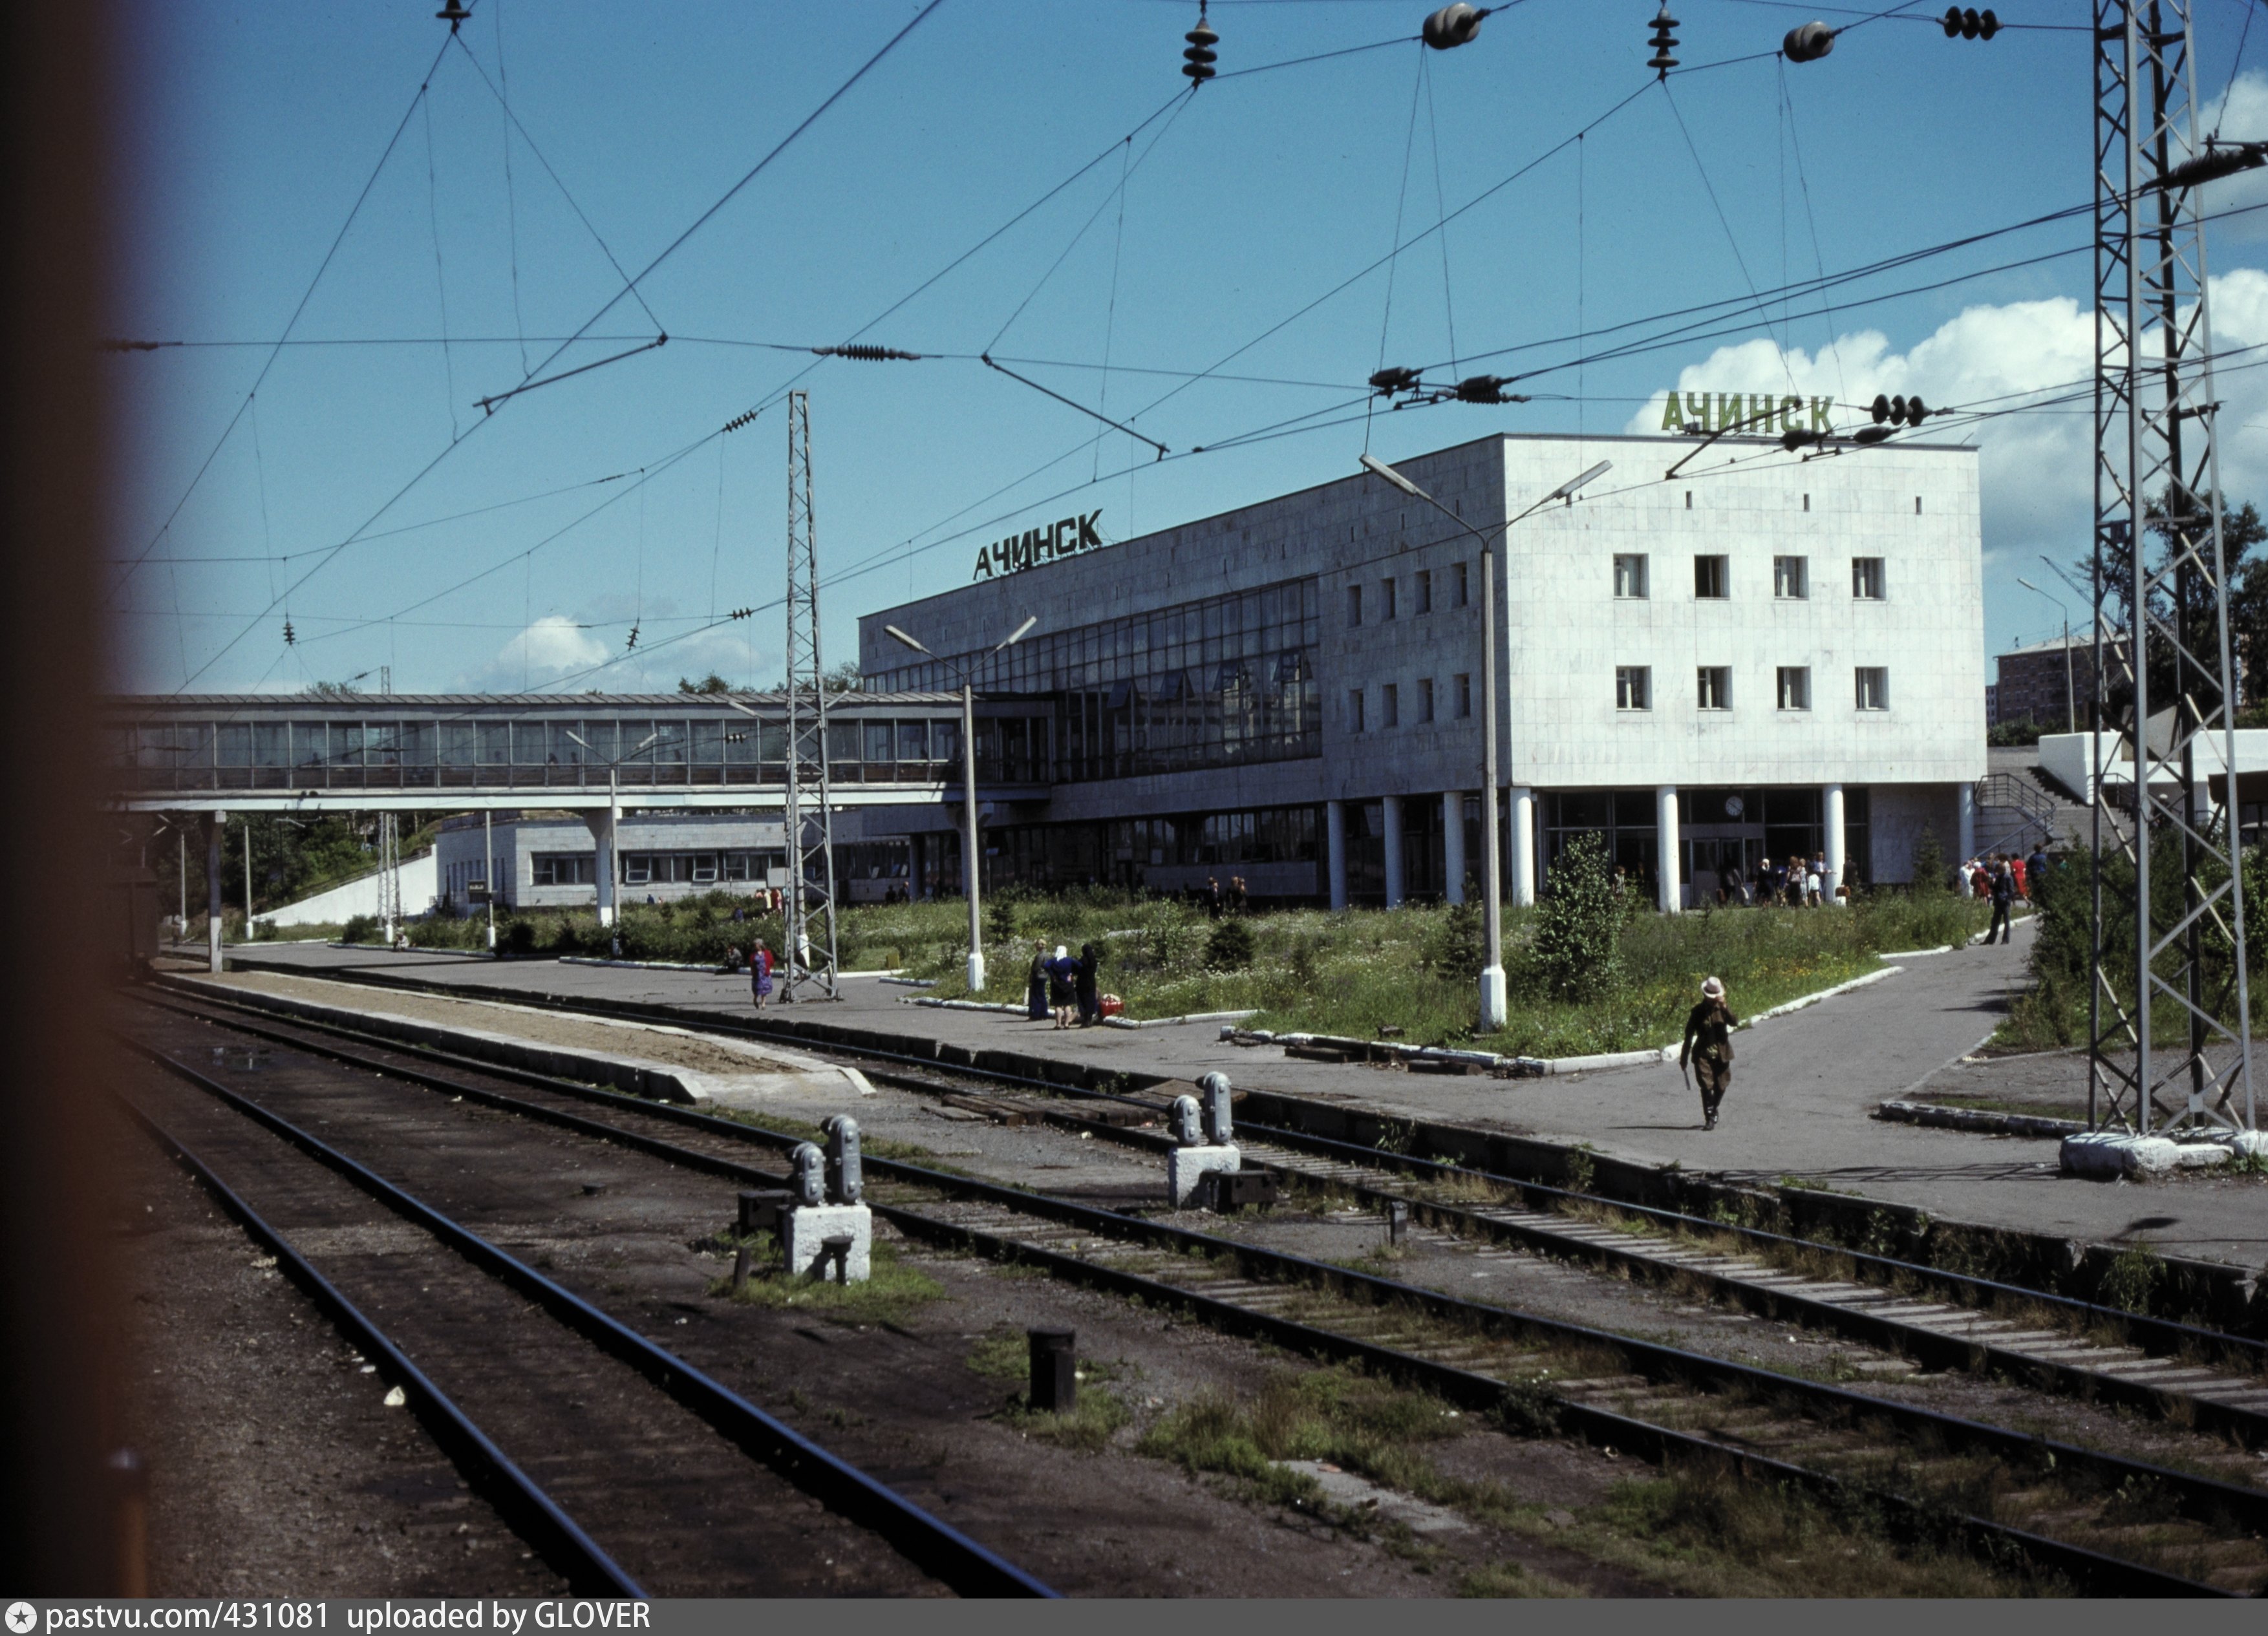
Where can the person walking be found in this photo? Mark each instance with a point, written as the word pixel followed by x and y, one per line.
pixel 760 974
pixel 2016 869
pixel 1084 985
pixel 1212 897
pixel 1036 985
pixel 1063 972
pixel 1815 880
pixel 2002 885
pixel 1709 1048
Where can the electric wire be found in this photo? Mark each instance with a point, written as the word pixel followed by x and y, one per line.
pixel 291 324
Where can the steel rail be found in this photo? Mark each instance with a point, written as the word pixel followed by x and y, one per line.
pixel 2156 1336
pixel 2200 1497
pixel 936 1547
pixel 533 1515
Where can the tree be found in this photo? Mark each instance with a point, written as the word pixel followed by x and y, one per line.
pixel 843 678
pixel 1928 862
pixel 331 690
pixel 708 686
pixel 1579 924
pixel 2241 530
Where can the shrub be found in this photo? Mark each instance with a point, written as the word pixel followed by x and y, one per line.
pixel 1460 948
pixel 1929 874
pixel 1576 948
pixel 1230 947
pixel 362 929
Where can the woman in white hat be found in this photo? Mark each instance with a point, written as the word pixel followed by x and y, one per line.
pixel 1709 1048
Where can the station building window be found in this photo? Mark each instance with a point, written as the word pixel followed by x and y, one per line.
pixel 1711 578
pixel 1633 687
pixel 1464 593
pixel 1630 576
pixel 1790 578
pixel 1795 688
pixel 1867 578
pixel 1355 723
pixel 1714 686
pixel 1389 705
pixel 1424 584
pixel 565 869
pixel 1354 605
pixel 1425 699
pixel 1463 681
pixel 1873 687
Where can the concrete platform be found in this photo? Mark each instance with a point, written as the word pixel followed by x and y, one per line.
pixel 1804 1090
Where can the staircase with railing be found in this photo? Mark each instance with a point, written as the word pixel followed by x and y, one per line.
pixel 2014 815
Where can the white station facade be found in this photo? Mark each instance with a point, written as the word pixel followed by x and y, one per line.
pixel 1763 655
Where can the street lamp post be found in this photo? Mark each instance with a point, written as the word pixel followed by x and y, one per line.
pixel 2070 695
pixel 1493 1010
pixel 971 855
pixel 609 914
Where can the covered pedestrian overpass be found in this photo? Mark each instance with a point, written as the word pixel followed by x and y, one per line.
pixel 199 757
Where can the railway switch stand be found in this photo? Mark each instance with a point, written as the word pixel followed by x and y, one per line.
pixel 1184 1117
pixel 1055 1370
pixel 1201 1142
pixel 826 1229
pixel 845 1182
pixel 1218 1126
pixel 808 1175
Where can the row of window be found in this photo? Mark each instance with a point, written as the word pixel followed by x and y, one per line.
pixel 1454 585
pixel 1714 687
pixel 1430 703
pixel 1712 578
pixel 654 869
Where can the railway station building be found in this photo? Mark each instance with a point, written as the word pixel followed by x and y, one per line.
pixel 1762 655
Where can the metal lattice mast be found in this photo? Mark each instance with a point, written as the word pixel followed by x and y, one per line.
pixel 2168 700
pixel 810 953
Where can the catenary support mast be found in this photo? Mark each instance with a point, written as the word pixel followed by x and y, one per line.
pixel 810 954
pixel 2169 1020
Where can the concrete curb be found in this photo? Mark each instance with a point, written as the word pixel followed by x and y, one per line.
pixel 657 1081
pixel 690 965
pixel 1002 1007
pixel 1983 1123
pixel 1526 1067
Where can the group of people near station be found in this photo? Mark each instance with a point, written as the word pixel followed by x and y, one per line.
pixel 1796 882
pixel 1063 986
pixel 1219 900
pixel 2003 877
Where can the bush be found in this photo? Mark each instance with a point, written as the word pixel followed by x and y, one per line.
pixel 362 929
pixel 1576 949
pixel 1230 947
pixel 1460 949
pixel 1929 871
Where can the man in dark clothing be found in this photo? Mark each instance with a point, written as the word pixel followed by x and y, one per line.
pixel 1084 985
pixel 2034 866
pixel 1212 897
pixel 2003 894
pixel 1709 1049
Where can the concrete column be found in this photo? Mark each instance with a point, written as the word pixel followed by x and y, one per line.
pixel 916 865
pixel 1522 844
pixel 1966 837
pixel 1453 845
pixel 1335 850
pixel 1832 821
pixel 1393 806
pixel 1664 841
pixel 601 825
pixel 213 828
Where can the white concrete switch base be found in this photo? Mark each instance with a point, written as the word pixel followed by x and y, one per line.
pixel 2108 1153
pixel 806 1229
pixel 1186 1168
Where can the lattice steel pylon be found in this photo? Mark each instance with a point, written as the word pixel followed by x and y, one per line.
pixel 810 959
pixel 2177 951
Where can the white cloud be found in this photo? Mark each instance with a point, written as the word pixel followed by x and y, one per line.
pixel 544 651
pixel 2037 467
pixel 2240 113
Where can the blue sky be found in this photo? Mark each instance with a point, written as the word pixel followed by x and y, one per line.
pixel 362 493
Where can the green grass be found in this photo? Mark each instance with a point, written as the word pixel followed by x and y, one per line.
pixel 1005 1354
pixel 1361 969
pixel 893 1293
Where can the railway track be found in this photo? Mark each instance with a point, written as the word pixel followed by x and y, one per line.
pixel 616 1449
pixel 2101 1521
pixel 1937 1319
